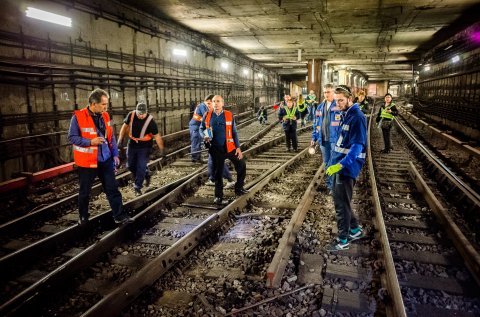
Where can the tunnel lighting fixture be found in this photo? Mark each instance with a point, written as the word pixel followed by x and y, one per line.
pixel 426 68
pixel 224 65
pixel 179 52
pixel 455 59
pixel 48 17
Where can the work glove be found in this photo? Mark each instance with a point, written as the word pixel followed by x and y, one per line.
pixel 333 169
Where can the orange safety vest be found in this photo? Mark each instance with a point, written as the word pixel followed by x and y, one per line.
pixel 228 128
pixel 87 156
pixel 143 136
pixel 196 116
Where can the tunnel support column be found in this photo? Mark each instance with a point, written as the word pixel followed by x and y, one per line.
pixel 314 77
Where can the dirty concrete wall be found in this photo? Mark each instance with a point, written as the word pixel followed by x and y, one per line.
pixel 54 68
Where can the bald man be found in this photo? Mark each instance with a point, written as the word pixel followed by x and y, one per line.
pixel 220 132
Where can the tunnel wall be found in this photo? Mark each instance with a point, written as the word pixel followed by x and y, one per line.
pixel 48 71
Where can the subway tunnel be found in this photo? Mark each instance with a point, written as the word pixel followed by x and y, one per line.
pixel 256 55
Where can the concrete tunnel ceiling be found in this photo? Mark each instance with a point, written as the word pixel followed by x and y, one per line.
pixel 381 39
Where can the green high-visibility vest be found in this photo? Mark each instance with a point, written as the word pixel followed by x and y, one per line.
pixel 384 114
pixel 311 99
pixel 299 105
pixel 363 104
pixel 290 113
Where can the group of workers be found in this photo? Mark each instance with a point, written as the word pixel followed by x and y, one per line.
pixel 96 152
pixel 339 128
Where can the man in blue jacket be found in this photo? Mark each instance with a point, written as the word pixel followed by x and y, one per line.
pixel 194 126
pixel 348 157
pixel 326 128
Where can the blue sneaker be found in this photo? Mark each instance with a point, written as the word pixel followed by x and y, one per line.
pixel 338 245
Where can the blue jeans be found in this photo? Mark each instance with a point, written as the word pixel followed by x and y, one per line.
pixel 226 172
pixel 137 159
pixel 326 148
pixel 342 198
pixel 311 112
pixel 106 174
pixel 196 141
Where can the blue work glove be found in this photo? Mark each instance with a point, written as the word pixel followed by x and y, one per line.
pixel 333 169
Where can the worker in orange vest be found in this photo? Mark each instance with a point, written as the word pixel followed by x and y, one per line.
pixel 220 133
pixel 95 153
pixel 142 130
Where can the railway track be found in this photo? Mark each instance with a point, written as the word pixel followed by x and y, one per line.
pixel 263 253
pixel 34 196
pixel 59 252
pixel 61 214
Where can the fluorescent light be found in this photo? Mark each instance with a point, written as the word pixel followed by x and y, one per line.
pixel 224 65
pixel 427 68
pixel 48 16
pixel 455 59
pixel 179 52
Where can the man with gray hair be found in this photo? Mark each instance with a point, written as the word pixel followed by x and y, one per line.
pixel 141 130
pixel 326 128
pixel 95 153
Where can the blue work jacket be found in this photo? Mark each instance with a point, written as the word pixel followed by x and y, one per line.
pixel 334 123
pixel 201 109
pixel 353 131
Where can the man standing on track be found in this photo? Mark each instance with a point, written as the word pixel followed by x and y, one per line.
pixel 348 158
pixel 194 126
pixel 95 153
pixel 219 130
pixel 326 128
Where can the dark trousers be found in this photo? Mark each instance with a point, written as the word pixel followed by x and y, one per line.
pixel 342 198
pixel 106 174
pixel 218 158
pixel 137 160
pixel 226 172
pixel 386 127
pixel 291 136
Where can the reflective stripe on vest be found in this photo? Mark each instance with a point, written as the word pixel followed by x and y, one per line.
pixel 142 136
pixel 300 109
pixel 196 116
pixel 290 113
pixel 228 128
pixel 384 114
pixel 86 156
pixel 346 151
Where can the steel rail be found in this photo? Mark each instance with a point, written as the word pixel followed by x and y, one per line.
pixel 113 303
pixel 276 269
pixel 461 243
pixel 465 189
pixel 17 304
pixel 397 308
